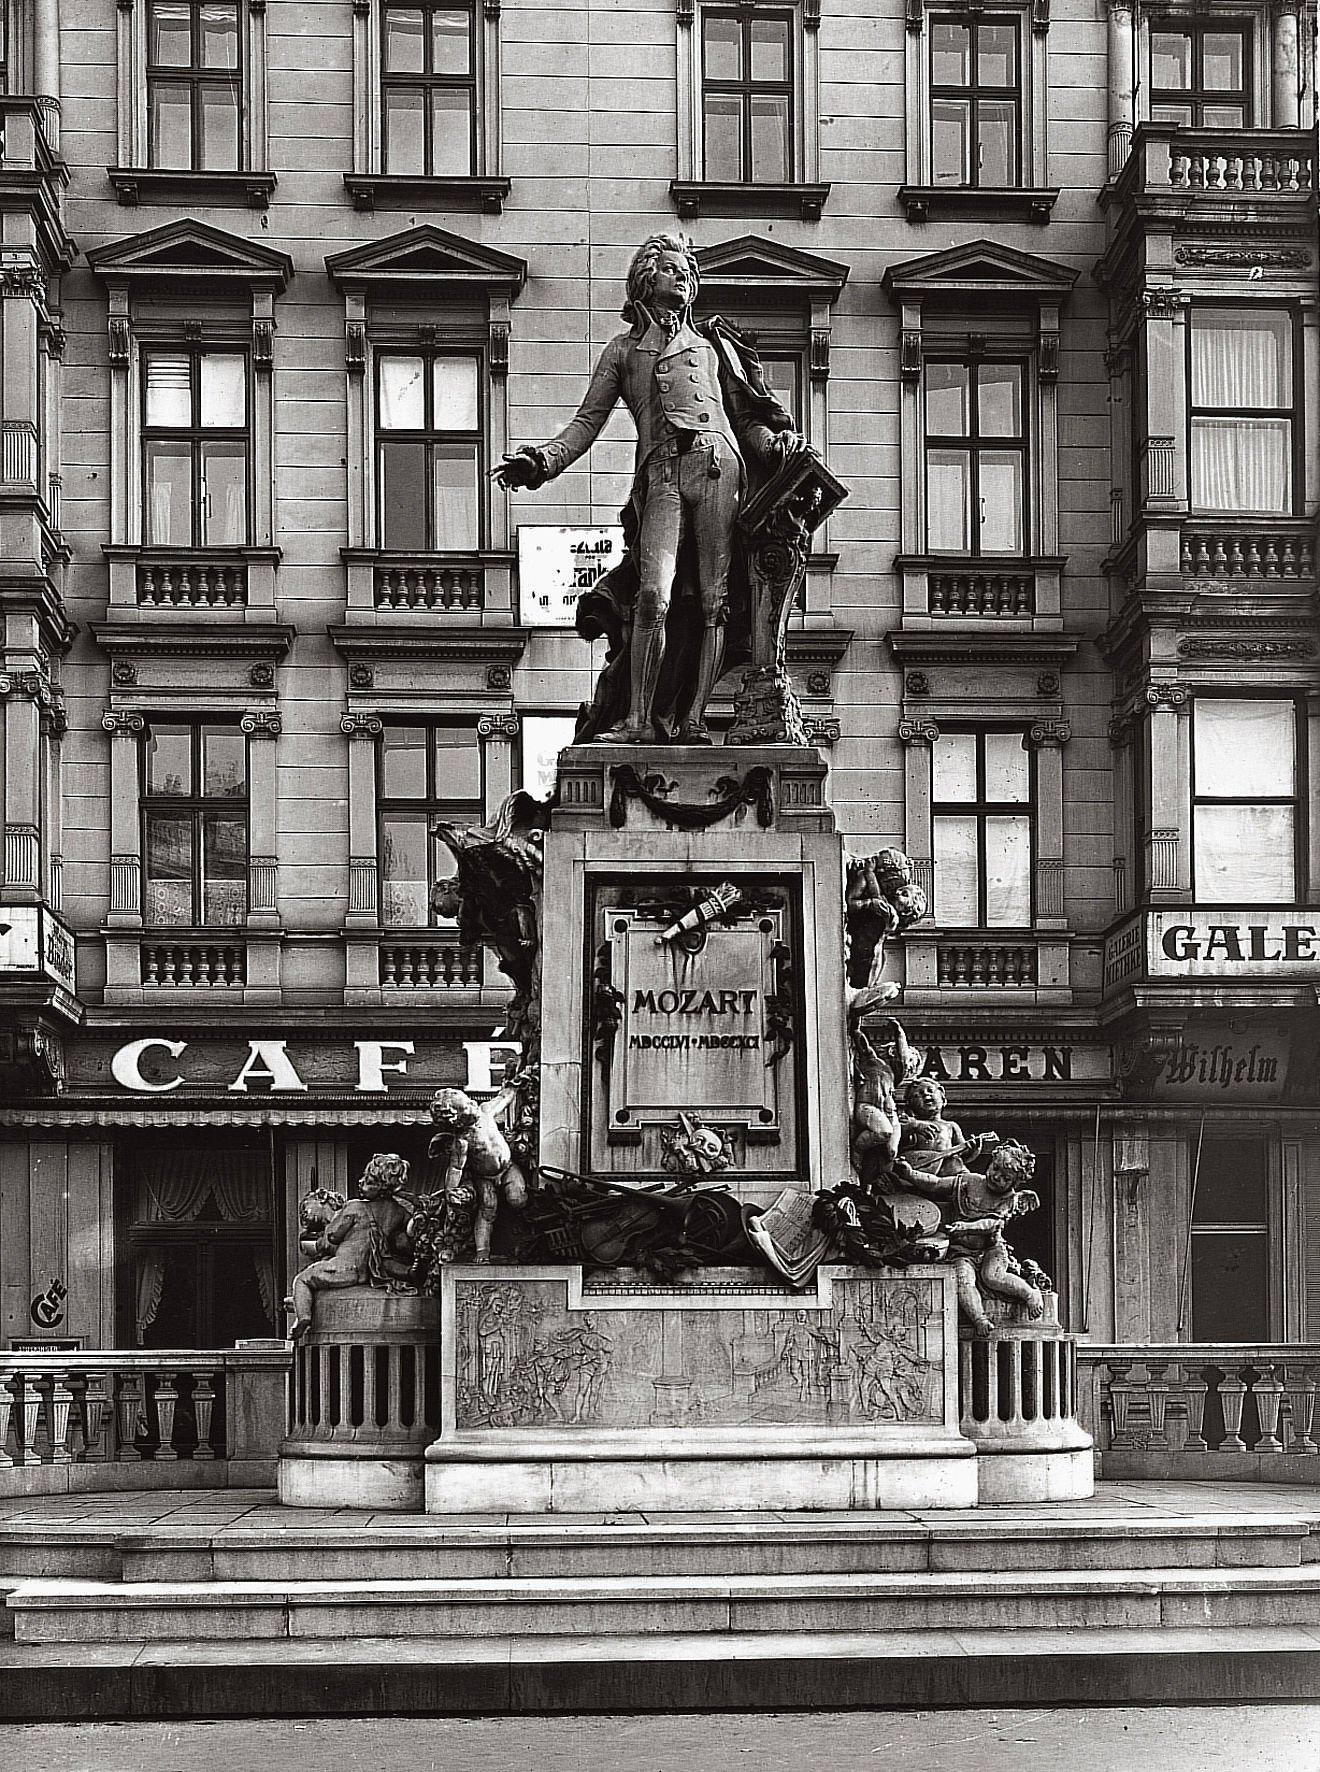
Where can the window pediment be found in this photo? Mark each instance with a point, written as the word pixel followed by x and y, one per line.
pixel 768 269
pixel 449 264
pixel 191 249
pixel 978 269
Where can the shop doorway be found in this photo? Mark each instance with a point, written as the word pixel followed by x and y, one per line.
pixel 1230 1240
pixel 200 1232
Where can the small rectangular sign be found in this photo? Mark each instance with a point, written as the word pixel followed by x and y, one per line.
pixel 556 566
pixel 32 940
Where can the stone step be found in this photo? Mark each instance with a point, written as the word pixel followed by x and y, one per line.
pixel 56 1611
pixel 511 1676
pixel 856 1544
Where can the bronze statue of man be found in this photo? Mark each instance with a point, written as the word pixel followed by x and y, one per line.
pixel 704 418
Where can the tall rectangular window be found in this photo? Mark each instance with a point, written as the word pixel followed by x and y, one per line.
pixel 1245 800
pixel 747 98
pixel 195 825
pixel 428 451
pixel 428 90
pixel 981 805
pixel 194 85
pixel 426 772
pixel 1200 73
pixel 195 448
pixel 1230 1252
pixel 976 457
pixel 975 101
pixel 1241 410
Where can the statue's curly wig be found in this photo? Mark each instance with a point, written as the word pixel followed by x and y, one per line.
pixel 641 272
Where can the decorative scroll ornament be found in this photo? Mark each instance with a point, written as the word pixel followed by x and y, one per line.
pixel 755 789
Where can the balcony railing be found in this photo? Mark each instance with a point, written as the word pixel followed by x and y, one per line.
pixel 124 1408
pixel 190 964
pixel 986 964
pixel 422 965
pixel 412 585
pixel 1167 160
pixel 1280 554
pixel 1213 1410
pixel 978 588
pixel 191 584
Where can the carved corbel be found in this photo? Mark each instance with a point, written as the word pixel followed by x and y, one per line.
pixel 361 725
pixel 917 732
pixel 261 723
pixel 1171 695
pixel 1056 732
pixel 497 726
pixel 123 721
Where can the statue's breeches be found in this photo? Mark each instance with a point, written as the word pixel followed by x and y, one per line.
pixel 699 489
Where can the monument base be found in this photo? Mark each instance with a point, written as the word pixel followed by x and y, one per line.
pixel 333 1478
pixel 565 1392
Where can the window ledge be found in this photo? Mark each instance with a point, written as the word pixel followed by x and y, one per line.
pixel 150 184
pixel 381 190
pixel 1011 203
pixel 794 202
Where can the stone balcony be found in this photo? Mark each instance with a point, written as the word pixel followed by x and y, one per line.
pixel 1174 172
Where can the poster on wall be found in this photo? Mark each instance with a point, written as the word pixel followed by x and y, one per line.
pixel 555 567
pixel 543 737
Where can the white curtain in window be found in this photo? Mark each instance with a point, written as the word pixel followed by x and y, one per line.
pixel 1241 361
pixel 1242 464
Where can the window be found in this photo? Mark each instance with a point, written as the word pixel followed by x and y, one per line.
pixel 976 457
pixel 975 101
pixel 1230 1253
pixel 1241 410
pixel 195 825
pixel 428 90
pixel 981 802
pixel 195 448
pixel 428 451
pixel 426 772
pixel 1200 74
pixel 194 92
pixel 747 95
pixel 1244 810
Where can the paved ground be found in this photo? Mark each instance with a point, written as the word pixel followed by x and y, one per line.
pixel 130 1511
pixel 1270 1738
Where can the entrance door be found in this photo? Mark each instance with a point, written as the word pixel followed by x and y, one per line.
pixel 201 1240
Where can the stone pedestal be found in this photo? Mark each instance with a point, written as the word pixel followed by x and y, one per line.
pixel 363 1402
pixel 1019 1409
pixel 743 1022
pixel 565 1393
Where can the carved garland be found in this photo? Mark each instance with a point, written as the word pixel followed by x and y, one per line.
pixel 755 789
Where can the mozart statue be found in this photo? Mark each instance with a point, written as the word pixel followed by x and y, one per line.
pixel 675 612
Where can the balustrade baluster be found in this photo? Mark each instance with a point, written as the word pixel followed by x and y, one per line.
pixel 1268 1393
pixel 1120 1403
pixel 1195 1390
pixel 60 1404
pixel 97 1416
pixel 203 1402
pixel 166 1398
pixel 6 1410
pixel 1157 1397
pixel 1300 1384
pixel 32 1401
pixel 1232 1394
pixel 131 1405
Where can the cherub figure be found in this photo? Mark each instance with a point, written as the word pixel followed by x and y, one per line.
pixel 925 1134
pixel 975 1208
pixel 879 1071
pixel 365 1243
pixel 882 898
pixel 476 1153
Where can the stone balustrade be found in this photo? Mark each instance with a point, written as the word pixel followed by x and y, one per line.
pixel 1218 1411
pixel 67 1418
pixel 982 588
pixel 1170 161
pixel 412 585
pixel 1018 1395
pixel 1281 553
pixel 429 965
pixel 186 965
pixel 191 583
pixel 982 964
pixel 364 1400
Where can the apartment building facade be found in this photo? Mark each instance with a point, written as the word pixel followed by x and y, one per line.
pixel 280 280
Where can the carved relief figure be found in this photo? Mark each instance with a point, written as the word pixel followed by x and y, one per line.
pixel 879 1071
pixel 365 1243
pixel 927 1137
pixel 882 898
pixel 703 416
pixel 475 1152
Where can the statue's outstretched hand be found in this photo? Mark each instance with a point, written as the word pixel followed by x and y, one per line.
pixel 788 443
pixel 524 468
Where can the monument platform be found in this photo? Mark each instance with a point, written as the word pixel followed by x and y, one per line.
pixel 223 1603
